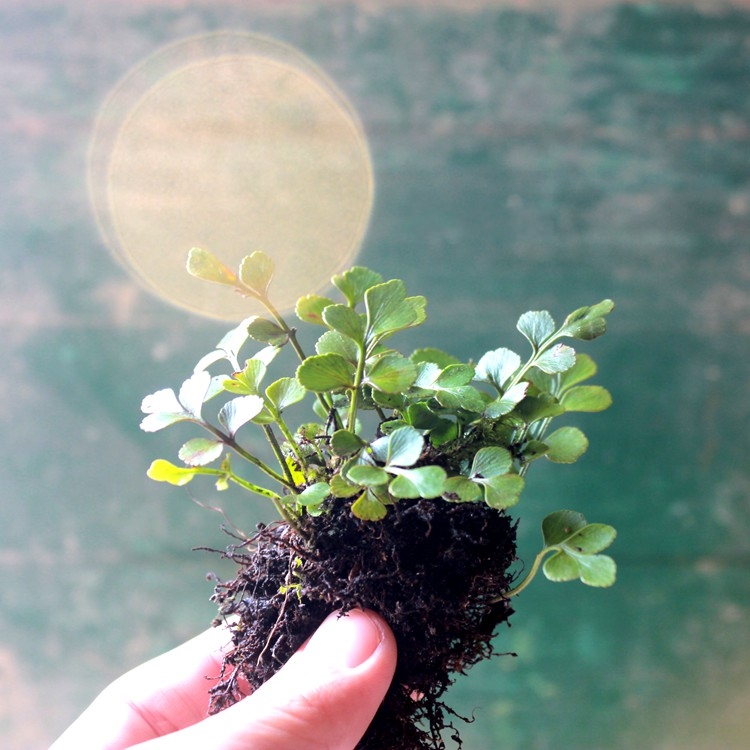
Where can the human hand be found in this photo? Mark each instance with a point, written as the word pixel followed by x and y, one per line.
pixel 323 698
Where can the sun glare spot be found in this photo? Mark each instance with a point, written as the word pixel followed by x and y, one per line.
pixel 234 143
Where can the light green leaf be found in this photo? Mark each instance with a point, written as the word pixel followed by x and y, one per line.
pixel 593 570
pixel 536 326
pixel 461 489
pixel 507 402
pixel 424 481
pixel 389 310
pixel 454 376
pixel 566 445
pixel 215 387
pixel 405 446
pixel 200 451
pixel 427 374
pixel 592 538
pixel 561 525
pixel 240 411
pixel 542 381
pixel 589 398
pixel 368 507
pixel 341 488
pixel 392 373
pixel 326 372
pixel 503 491
pixel 418 303
pixel 390 425
pixel 313 495
pixel 436 356
pixel 205 265
pixel 193 392
pixel 602 308
pixel 355 282
pixel 557 359
pixel 334 342
pixel 228 348
pixel 588 330
pixel 347 321
pixel 248 381
pixel 497 367
pixel 578 542
pixel 560 568
pixel 490 461
pixel 587 323
pixel 385 308
pixel 222 480
pixel 163 471
pixel 264 416
pixel 532 450
pixel 533 408
pixel 162 409
pixel 389 400
pixel 583 369
pixel 597 570
pixel 310 308
pixel 284 392
pixel 367 475
pixel 345 443
pixel 267 332
pixel 256 271
pixel 463 397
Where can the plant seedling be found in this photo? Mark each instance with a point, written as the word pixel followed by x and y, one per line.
pixel 395 495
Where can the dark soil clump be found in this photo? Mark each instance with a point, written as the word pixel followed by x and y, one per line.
pixel 436 571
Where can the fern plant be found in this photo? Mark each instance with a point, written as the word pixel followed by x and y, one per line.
pixel 386 427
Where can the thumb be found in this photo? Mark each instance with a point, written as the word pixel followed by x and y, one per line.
pixel 324 698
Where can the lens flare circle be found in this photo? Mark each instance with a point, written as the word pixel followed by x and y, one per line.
pixel 233 143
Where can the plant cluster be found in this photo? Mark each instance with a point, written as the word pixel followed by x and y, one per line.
pixel 387 426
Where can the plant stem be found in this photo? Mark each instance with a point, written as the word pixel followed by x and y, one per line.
pixel 286 432
pixel 288 330
pixel 536 352
pixel 230 442
pixel 255 489
pixel 249 486
pixel 292 336
pixel 353 404
pixel 279 456
pixel 274 497
pixel 529 577
pixel 278 503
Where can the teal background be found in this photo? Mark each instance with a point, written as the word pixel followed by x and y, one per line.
pixel 527 156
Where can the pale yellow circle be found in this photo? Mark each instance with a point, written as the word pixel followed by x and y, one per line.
pixel 232 143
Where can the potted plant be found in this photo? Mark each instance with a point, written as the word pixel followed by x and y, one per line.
pixel 394 493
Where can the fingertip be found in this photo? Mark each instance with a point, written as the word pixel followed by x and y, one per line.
pixel 327 694
pixel 349 640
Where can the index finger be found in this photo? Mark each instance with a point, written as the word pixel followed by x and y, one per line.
pixel 160 696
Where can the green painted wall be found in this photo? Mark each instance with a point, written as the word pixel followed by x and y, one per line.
pixel 524 158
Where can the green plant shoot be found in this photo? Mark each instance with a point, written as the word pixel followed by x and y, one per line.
pixel 440 428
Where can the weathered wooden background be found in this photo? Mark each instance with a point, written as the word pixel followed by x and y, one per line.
pixel 527 155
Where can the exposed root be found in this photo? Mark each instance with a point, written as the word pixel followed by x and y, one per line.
pixel 436 571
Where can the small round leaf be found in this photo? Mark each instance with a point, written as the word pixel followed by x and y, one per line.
pixel 164 471
pixel 588 398
pixel 326 372
pixel 566 445
pixel 200 451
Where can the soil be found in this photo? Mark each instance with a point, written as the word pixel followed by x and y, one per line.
pixel 435 570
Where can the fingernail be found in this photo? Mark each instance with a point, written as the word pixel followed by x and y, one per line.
pixel 345 642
